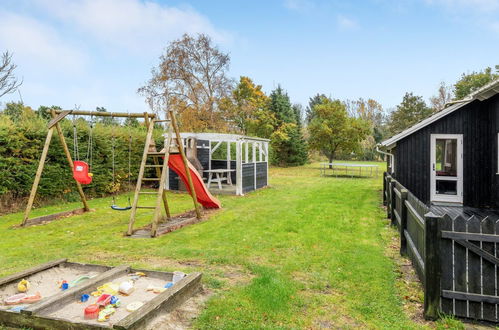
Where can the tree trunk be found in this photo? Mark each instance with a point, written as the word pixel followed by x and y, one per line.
pixel 331 158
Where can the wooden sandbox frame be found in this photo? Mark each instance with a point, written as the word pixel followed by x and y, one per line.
pixel 33 316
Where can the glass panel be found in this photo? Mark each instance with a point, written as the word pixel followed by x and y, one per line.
pixel 446 157
pixel 445 187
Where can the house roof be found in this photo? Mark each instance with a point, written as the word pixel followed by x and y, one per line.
pixel 481 94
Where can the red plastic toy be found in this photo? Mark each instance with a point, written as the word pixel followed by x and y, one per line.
pixel 104 300
pixel 91 312
pixel 81 172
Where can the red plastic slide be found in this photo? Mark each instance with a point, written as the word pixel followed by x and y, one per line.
pixel 203 195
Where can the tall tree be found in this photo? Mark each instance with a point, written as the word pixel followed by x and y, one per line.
pixel 410 111
pixel 191 78
pixel 472 81
pixel 8 81
pixel 242 106
pixel 333 131
pixel 313 101
pixel 444 95
pixel 287 139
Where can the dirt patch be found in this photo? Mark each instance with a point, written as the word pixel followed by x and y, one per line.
pixel 183 316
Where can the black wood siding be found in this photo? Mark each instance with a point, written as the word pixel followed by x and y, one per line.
pixel 479 124
pixel 261 175
pixel 248 177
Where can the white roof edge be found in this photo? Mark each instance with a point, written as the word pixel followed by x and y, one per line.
pixel 481 94
pixel 423 123
pixel 221 137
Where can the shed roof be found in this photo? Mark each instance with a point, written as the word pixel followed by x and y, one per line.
pixel 481 94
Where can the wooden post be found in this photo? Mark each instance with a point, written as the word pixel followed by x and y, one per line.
pixel 432 269
pixel 239 168
pixel 403 221
pixel 70 161
pixel 158 171
pixel 139 180
pixel 388 198
pixel 186 164
pixel 38 175
pixel 384 188
pixel 393 202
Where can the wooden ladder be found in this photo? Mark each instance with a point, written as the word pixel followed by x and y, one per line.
pixel 161 174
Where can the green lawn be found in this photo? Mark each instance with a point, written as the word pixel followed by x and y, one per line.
pixel 308 252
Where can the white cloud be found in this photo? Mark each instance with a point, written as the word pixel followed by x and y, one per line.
pixel 38 44
pixel 135 25
pixel 346 23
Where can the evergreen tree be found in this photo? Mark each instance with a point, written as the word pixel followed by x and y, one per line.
pixel 287 139
pixel 313 101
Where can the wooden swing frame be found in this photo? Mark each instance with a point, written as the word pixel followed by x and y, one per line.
pixel 54 124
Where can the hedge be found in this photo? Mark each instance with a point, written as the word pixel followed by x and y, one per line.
pixel 21 144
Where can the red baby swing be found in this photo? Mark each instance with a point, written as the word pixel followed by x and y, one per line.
pixel 81 169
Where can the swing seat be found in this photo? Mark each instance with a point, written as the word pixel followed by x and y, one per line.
pixel 80 172
pixel 119 208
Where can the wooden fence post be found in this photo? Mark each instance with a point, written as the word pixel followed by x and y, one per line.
pixel 388 197
pixel 403 221
pixel 393 202
pixel 384 188
pixel 432 267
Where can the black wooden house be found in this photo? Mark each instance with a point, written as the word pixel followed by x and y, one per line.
pixel 451 158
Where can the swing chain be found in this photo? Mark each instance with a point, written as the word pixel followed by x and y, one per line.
pixel 90 142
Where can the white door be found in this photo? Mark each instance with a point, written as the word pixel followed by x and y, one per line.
pixel 446 168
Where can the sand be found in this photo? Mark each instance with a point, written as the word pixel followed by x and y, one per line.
pixel 74 311
pixel 46 282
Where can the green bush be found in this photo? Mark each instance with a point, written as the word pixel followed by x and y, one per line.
pixel 21 143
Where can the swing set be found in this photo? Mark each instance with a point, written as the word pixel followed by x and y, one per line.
pixel 82 169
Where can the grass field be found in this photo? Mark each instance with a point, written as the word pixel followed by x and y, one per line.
pixel 308 252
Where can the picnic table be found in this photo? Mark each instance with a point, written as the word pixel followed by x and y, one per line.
pixel 369 169
pixel 220 176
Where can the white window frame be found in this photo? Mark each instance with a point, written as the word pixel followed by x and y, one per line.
pixel 433 177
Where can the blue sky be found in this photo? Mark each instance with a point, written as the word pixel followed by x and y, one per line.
pixel 97 53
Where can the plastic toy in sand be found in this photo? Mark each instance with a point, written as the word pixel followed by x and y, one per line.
pixel 155 289
pixel 177 276
pixel 23 286
pixel 23 298
pixel 133 306
pixel 109 288
pixel 104 300
pixel 126 288
pixel 106 313
pixel 91 312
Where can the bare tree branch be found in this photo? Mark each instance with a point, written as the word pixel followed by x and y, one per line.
pixel 8 81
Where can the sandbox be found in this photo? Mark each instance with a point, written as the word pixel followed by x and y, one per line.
pixel 63 309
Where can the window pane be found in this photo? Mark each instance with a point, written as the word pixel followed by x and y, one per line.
pixel 445 187
pixel 446 157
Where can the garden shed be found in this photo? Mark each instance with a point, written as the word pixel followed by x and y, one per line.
pixel 229 163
